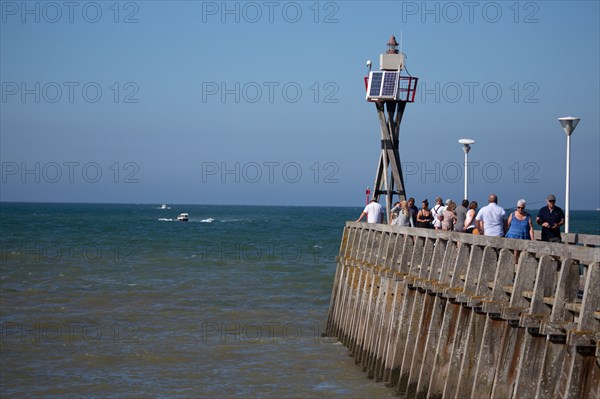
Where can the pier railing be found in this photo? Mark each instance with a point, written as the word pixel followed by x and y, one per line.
pixel 444 314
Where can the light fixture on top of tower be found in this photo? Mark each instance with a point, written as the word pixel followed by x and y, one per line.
pixel 387 84
pixel 392 60
pixel 392 45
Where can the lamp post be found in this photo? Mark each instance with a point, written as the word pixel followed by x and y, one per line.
pixel 569 123
pixel 466 148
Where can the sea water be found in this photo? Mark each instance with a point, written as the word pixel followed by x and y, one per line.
pixel 101 300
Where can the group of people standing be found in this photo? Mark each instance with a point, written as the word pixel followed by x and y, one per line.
pixel 489 220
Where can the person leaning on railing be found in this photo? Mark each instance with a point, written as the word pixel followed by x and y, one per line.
pixel 373 211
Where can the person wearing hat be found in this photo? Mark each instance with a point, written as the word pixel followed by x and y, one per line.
pixel 550 217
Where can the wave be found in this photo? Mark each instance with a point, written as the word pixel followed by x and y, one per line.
pixel 209 220
pixel 165 220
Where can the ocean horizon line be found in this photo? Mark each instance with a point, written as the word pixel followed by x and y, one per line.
pixel 208 204
pixel 181 204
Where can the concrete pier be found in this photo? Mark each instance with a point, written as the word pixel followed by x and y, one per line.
pixel 436 314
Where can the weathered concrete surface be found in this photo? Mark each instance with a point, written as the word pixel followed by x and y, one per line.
pixel 441 314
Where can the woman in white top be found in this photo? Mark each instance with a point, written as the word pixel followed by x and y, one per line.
pixel 470 220
pixel 437 213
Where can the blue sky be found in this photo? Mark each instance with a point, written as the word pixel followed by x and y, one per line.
pixel 264 102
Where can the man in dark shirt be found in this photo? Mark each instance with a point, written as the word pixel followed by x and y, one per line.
pixel 550 217
pixel 413 210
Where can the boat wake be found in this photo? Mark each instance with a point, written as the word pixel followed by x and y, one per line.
pixel 209 220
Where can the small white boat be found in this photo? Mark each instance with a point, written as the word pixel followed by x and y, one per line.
pixel 183 217
pixel 163 206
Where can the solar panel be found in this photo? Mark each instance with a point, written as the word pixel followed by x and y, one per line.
pixel 383 85
pixel 376 78
pixel 390 84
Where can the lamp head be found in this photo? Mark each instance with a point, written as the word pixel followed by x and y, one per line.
pixel 466 144
pixel 569 123
pixel 392 46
